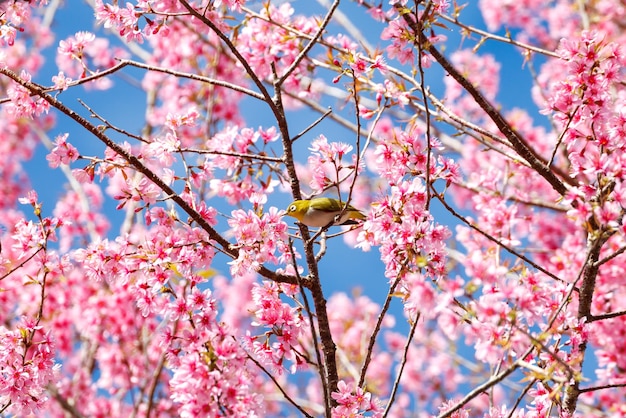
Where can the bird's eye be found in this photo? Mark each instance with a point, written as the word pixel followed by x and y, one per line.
pixel 292 208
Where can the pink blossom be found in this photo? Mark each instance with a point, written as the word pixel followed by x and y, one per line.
pixel 60 81
pixel 62 153
pixel 24 382
pixel 354 402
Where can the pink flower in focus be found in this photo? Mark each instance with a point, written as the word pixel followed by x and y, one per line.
pixel 62 153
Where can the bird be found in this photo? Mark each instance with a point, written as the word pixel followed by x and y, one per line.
pixel 323 211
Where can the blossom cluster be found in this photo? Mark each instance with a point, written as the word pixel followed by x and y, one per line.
pixel 411 244
pixel 27 366
pixel 268 46
pixel 285 324
pixel 354 403
pixel 258 240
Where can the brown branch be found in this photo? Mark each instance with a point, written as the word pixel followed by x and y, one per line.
pixel 279 386
pixel 508 40
pixel 314 285
pixel 307 307
pixel 377 328
pixel 601 387
pixel 65 405
pixel 150 175
pixel 319 301
pixel 517 142
pixel 493 239
pixel 611 256
pixel 310 45
pixel 155 381
pixel 405 357
pixel 233 49
pixel 529 385
pixel 605 316
pixel 584 311
pixel 195 77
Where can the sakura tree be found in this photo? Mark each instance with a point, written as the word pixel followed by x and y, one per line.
pixel 159 277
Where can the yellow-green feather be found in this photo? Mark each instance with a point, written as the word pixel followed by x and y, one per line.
pixel 321 211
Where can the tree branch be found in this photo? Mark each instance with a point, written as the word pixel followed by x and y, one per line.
pixel 517 142
pixel 150 175
pixel 309 46
pixel 584 311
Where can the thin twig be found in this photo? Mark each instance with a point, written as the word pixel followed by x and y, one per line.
pixel 601 387
pixel 422 80
pixel 405 356
pixel 512 198
pixel 493 239
pixel 84 80
pixel 312 125
pixel 377 328
pixel 26 260
pixel 234 154
pixel 520 397
pixel 508 40
pixel 480 389
pixel 610 257
pixel 309 46
pixel 562 136
pixel 278 386
pixel 196 77
pixel 108 124
pixel 355 95
pixel 609 315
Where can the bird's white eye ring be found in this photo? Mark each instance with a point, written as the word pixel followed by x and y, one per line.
pixel 292 208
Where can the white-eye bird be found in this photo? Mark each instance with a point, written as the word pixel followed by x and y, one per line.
pixel 321 211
